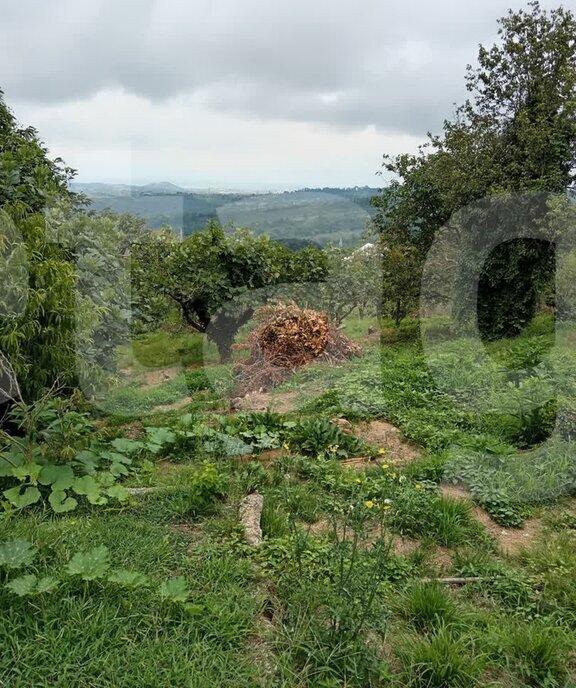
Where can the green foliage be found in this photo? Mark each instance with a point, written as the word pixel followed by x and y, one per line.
pixel 59 456
pixel 421 512
pixel 428 607
pixel 90 565
pixel 212 276
pixel 206 486
pixel 516 134
pixel 16 553
pixel 29 584
pixel 538 654
pixel 27 175
pixel 442 661
pixel 352 282
pixel 314 437
pixel 400 280
pixel 128 579
pixel 68 310
pixel 175 590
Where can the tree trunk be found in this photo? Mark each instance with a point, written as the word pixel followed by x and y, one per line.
pixel 223 330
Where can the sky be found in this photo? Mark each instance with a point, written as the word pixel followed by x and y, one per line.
pixel 244 94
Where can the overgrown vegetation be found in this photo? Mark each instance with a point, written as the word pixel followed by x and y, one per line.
pixel 419 514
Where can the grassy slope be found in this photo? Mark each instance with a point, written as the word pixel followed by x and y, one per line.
pixel 305 587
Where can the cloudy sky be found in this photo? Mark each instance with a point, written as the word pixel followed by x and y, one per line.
pixel 238 93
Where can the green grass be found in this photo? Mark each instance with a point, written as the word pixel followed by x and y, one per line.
pixel 318 607
pixel 164 348
pixel 102 636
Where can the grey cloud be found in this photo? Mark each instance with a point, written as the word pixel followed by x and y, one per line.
pixel 395 66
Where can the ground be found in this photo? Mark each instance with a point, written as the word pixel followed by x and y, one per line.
pixel 351 585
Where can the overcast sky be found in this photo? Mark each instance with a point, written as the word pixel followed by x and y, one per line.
pixel 238 93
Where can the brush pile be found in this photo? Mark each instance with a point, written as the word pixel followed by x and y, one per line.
pixel 287 338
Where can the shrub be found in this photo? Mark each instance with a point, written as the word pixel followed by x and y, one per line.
pixel 313 437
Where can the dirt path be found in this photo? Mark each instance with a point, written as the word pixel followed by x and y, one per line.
pixel 510 540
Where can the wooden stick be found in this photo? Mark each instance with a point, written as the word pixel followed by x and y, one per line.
pixel 456 581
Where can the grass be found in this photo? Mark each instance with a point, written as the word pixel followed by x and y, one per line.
pixel 317 607
pixel 165 348
pixel 102 636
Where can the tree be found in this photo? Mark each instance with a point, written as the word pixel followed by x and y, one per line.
pixel 515 134
pixel 352 281
pixel 68 306
pixel 400 280
pixel 212 276
pixel 64 302
pixel 27 175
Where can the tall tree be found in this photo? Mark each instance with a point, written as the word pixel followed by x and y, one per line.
pixel 515 134
pixel 27 174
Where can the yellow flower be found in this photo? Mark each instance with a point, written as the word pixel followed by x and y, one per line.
pixel 385 466
pixel 369 504
pixel 394 476
pixel 381 450
pixel 418 486
pixel 286 446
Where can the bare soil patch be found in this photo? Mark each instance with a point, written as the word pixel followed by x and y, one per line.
pixel 174 406
pixel 380 433
pixel 281 402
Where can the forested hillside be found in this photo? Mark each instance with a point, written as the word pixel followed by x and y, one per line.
pixel 322 216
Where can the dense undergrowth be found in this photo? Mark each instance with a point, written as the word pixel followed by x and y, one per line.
pixel 159 589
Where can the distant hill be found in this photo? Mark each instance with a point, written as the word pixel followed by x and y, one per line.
pixel 102 189
pixel 320 215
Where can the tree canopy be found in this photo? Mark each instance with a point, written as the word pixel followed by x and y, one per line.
pixel 212 275
pixel 515 134
pixel 27 174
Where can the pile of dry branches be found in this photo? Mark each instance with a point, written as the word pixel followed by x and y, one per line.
pixel 286 338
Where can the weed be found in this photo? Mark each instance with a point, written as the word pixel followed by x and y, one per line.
pixel 428 607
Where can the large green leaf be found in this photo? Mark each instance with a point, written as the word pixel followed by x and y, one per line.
pixel 9 459
pixel 90 488
pixel 60 477
pixel 17 553
pixel 117 469
pixel 27 470
pixel 22 498
pixel 90 565
pixel 47 584
pixel 88 460
pixel 118 492
pixel 128 579
pixel 125 445
pixel 60 502
pixel 158 437
pixel 175 590
pixel 31 585
pixel 23 585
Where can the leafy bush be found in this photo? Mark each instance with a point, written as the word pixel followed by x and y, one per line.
pixel 313 437
pixel 57 457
